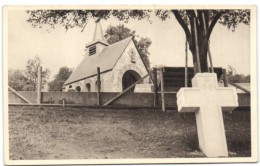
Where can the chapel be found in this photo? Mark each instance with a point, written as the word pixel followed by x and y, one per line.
pixel 120 66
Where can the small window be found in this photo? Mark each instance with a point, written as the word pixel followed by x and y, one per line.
pixel 70 86
pixel 133 58
pixel 78 88
pixel 92 50
pixel 132 55
pixel 88 86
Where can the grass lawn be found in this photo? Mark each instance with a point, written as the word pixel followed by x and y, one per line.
pixel 81 133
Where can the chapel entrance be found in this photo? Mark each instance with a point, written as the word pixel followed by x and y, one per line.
pixel 129 78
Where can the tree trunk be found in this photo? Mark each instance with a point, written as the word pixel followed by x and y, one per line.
pixel 203 49
pixel 194 58
pixel 203 57
pixel 199 24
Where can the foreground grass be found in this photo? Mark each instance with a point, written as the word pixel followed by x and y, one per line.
pixel 74 133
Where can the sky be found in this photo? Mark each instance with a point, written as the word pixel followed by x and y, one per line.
pixel 59 47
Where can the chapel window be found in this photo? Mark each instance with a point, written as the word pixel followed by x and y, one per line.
pixel 96 86
pixel 78 88
pixel 88 86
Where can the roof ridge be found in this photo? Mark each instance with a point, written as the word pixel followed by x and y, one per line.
pixel 122 51
pixel 121 40
pixel 117 43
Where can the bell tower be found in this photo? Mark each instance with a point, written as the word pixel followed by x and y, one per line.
pixel 98 41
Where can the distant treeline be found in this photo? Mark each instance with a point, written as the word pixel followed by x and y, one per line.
pixel 237 78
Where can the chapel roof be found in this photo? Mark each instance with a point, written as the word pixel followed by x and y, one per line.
pixel 106 60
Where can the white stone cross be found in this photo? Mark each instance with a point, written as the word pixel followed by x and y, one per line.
pixel 208 100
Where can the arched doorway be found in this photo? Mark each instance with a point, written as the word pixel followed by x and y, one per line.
pixel 129 77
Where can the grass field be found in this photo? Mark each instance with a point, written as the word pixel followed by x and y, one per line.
pixel 77 133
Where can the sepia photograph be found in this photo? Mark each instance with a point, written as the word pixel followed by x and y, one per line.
pixel 129 84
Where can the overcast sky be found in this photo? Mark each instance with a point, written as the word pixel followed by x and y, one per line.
pixel 59 47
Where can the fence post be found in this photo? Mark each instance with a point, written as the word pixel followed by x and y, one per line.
pixel 162 89
pixel 39 85
pixel 208 47
pixel 225 79
pixel 98 86
pixel 155 87
pixel 197 45
pixel 63 103
pixel 186 63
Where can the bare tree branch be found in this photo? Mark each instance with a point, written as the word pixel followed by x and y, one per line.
pixel 213 23
pixel 191 14
pixel 200 19
pixel 182 23
pixel 206 15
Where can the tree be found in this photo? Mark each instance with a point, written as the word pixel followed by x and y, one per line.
pixel 17 79
pixel 60 78
pixel 79 18
pixel 26 80
pixel 204 21
pixel 31 72
pixel 114 34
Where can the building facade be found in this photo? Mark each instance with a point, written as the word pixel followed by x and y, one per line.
pixel 120 66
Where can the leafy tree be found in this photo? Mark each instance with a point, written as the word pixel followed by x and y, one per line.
pixel 204 21
pixel 79 18
pixel 17 79
pixel 60 78
pixel 31 72
pixel 114 34
pixel 26 80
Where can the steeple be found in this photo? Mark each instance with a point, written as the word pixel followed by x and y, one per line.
pixel 98 34
pixel 98 43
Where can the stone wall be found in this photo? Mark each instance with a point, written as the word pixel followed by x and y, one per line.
pixel 90 98
pixel 30 95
